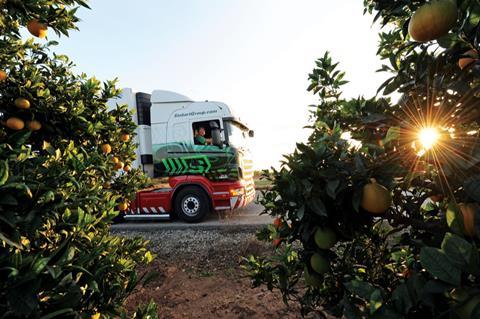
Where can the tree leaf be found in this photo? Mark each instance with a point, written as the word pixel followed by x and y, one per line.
pixel 472 187
pixel 393 133
pixel 454 218
pixel 438 265
pixel 360 288
pixel 458 250
pixel 376 301
pixel 40 264
pixel 373 118
pixel 9 241
pixel 401 299
pixel 332 186
pixel 448 40
pixel 23 298
pixel 3 172
pixel 58 313
pixel 8 199
pixel 475 312
pixel 317 206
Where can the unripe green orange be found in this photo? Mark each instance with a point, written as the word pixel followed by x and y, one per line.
pixel 433 20
pixel 325 238
pixel 311 278
pixel 376 198
pixel 319 263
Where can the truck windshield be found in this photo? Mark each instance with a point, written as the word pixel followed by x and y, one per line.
pixel 237 134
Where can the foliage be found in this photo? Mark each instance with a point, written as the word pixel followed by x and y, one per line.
pixel 58 190
pixel 414 260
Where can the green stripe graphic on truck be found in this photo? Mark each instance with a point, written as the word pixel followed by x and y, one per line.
pixel 197 164
pixel 181 158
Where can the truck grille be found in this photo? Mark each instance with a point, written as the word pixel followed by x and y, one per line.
pixel 248 176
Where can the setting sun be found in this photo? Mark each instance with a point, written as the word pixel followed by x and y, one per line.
pixel 428 136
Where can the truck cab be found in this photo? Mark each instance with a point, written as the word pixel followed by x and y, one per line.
pixel 211 172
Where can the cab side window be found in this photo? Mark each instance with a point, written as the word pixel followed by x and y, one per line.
pixel 202 132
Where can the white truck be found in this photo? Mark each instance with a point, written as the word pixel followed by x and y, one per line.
pixel 200 146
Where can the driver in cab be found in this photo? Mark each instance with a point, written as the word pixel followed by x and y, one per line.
pixel 200 137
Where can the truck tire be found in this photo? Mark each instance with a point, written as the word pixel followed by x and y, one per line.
pixel 191 204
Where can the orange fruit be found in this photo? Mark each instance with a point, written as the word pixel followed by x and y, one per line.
pixel 125 137
pixel 127 168
pixel 471 57
pixel 277 222
pixel 106 148
pixel 15 123
pixel 34 125
pixel 119 165
pixel 376 198
pixel 468 212
pixel 37 28
pixel 115 160
pixel 3 76
pixel 122 206
pixel 22 103
pixel 433 20
pixel 277 242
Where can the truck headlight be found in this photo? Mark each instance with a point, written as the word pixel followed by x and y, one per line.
pixel 237 191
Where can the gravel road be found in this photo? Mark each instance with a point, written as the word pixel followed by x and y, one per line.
pixel 246 218
pixel 201 249
pixel 219 241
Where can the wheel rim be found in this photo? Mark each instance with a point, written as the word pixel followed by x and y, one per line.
pixel 190 206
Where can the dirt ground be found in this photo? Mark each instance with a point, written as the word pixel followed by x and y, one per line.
pixel 180 294
pixel 209 284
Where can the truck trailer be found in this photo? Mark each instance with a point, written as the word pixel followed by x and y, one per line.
pixel 203 174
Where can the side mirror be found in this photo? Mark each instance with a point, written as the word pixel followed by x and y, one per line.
pixel 216 136
pixel 251 133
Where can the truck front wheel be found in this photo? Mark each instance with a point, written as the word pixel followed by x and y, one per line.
pixel 191 204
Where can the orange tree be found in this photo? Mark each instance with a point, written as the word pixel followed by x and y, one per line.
pixel 377 215
pixel 59 188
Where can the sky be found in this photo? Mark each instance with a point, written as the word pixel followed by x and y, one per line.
pixel 254 55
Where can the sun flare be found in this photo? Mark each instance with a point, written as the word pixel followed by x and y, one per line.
pixel 428 137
